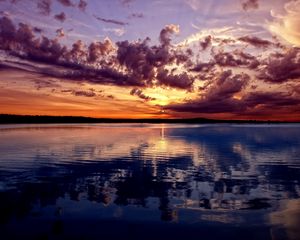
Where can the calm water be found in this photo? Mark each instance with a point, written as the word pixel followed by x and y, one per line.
pixel 143 181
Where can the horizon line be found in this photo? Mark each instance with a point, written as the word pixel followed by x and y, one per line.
pixel 19 118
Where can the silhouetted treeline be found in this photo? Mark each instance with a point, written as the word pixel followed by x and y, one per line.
pixel 18 119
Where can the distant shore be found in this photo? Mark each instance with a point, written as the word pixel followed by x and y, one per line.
pixel 33 119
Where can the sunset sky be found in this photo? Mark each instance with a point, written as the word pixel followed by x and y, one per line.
pixel 224 59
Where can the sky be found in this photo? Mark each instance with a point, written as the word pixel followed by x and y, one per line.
pixel 221 59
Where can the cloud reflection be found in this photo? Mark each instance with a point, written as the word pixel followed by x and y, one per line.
pixel 208 173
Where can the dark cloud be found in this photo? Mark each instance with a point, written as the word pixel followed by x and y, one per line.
pixel 180 81
pixel 206 42
pixel 8 32
pixel 223 41
pixel 237 58
pixel 25 34
pixel 37 30
pixel 255 41
pixel 60 17
pixel 227 59
pixel 270 99
pixel 66 3
pixel 166 32
pixel 250 4
pixel 207 106
pixel 139 60
pixel 203 67
pixel 146 63
pixel 252 103
pixel 83 93
pixel 82 5
pixel 60 33
pixel 44 6
pixel 247 59
pixel 66 90
pixel 136 15
pixel 91 92
pixel 140 94
pixel 279 68
pixel 22 42
pixel 134 64
pixel 77 54
pixel 99 49
pixel 219 98
pixel 182 57
pixel 40 84
pixel 227 84
pixel 111 21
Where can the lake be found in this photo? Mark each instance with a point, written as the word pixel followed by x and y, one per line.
pixel 150 181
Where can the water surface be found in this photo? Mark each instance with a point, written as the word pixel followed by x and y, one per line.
pixel 150 181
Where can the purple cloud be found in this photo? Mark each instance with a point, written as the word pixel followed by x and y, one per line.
pixel 250 4
pixel 111 21
pixel 60 17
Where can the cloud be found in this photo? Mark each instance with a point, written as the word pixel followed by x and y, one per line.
pixel 206 42
pixel 271 99
pixel 37 30
pixel 111 21
pixel 91 92
pixel 98 49
pixel 82 93
pixel 236 58
pixel 218 34
pixel 44 6
pixel 166 32
pixel 60 17
pixel 82 5
pixel 39 84
pixel 254 103
pixel 146 63
pixel 60 33
pixel 117 31
pixel 288 25
pixel 207 106
pixel 66 3
pixel 255 41
pixel 281 68
pixel 22 42
pixel 226 94
pixel 202 67
pixel 8 31
pixel 180 81
pixel 219 80
pixel 136 15
pixel 226 85
pixel 250 4
pixel 140 94
pixel 80 63
pixel 218 98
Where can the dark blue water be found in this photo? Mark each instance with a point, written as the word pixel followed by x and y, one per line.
pixel 143 181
